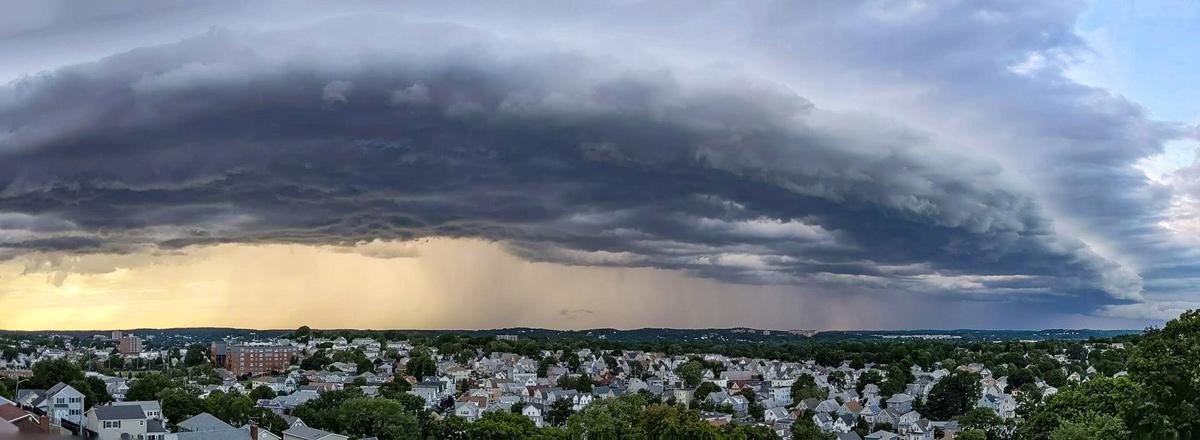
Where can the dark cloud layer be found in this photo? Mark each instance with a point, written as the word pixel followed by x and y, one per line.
pixel 562 156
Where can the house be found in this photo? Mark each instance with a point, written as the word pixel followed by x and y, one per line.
pixel 902 403
pixel 890 417
pixel 26 422
pixel 868 413
pixel 850 407
pixel 151 408
pixel 293 421
pixel 907 420
pixel 848 436
pixel 123 421
pixel 809 404
pixel 204 422
pixel 61 402
pixel 823 421
pixel 222 434
pixel 844 423
pixel 263 434
pixel 467 410
pixel 306 433
pixel 9 429
pixel 882 435
pixel 920 430
pixel 534 411
pixel 827 406
pixel 772 415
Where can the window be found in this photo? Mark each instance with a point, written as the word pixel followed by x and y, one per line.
pixel 112 424
pixel 60 400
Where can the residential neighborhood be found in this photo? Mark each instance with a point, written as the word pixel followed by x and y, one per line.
pixel 285 380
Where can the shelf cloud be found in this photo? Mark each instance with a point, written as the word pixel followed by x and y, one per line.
pixel 366 133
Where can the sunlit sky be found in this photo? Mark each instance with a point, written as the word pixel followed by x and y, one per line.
pixel 865 164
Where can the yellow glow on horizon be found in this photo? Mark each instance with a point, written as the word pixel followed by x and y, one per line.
pixel 450 284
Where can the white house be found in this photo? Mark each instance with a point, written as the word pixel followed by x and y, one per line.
pixel 123 421
pixel 63 403
pixel 533 412
pixel 467 410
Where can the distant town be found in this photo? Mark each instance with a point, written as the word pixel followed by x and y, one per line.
pixel 324 385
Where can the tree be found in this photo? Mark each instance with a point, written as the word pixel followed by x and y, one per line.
pixel 115 362
pixel 147 387
pixel 517 407
pixel 179 405
pixel 609 418
pixel 449 428
pixel 382 418
pixel 1055 378
pixel 805 387
pixel 1020 377
pixel 94 390
pixel 805 429
pixel 704 390
pixel 984 420
pixel 559 412
pixel 262 392
pixel 971 435
pixel 196 355
pixel 365 366
pixel 1096 427
pixel 757 411
pixel 953 396
pixel 1166 366
pixel 658 421
pixel 397 387
pixel 837 380
pixel 47 374
pixel 868 377
pixel 692 372
pixel 499 425
pixel 895 382
pixel 235 409
pixel 1078 403
pixel 421 364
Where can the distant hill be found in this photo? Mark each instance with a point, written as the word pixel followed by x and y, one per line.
pixel 652 334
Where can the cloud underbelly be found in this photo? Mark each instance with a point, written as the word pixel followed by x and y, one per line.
pixel 559 156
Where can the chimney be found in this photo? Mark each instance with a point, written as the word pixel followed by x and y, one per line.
pixel 44 421
pixel 253 431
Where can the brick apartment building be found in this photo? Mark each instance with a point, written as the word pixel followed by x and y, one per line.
pixel 249 358
pixel 130 344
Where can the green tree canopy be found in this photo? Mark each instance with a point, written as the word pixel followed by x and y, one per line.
pixel 382 418
pixel 147 387
pixel 953 396
pixel 262 392
pixel 47 374
pixel 1166 366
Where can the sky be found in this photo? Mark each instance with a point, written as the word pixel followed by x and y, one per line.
pixel 874 164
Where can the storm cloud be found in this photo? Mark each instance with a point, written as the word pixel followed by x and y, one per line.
pixel 363 133
pixel 561 156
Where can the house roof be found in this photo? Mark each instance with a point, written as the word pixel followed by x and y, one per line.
pixel 146 405
pixel 204 422
pixel 848 436
pixel 222 434
pixel 155 426
pixel 57 388
pixel 306 433
pixel 11 413
pixel 118 412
